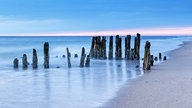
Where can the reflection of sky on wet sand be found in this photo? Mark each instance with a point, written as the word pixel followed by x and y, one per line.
pixel 82 87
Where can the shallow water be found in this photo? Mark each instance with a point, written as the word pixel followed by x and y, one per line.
pixel 66 87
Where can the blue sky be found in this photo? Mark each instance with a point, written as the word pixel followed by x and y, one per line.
pixel 60 16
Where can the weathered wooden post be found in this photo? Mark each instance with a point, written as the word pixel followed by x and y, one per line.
pixel 118 51
pixel 46 55
pixel 135 47
pixel 83 55
pixel 68 58
pixel 127 46
pixel 97 52
pixel 92 47
pixel 132 53
pixel 155 58
pixel 104 48
pixel 138 46
pixel 120 48
pixel 87 63
pixel 117 46
pixel 160 56
pixel 111 48
pixel 146 63
pixel 151 60
pixel 25 63
pixel 15 63
pixel 76 55
pixel 35 59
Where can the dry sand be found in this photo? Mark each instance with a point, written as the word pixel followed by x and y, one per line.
pixel 167 85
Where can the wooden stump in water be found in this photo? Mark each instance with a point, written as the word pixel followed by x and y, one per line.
pixel 118 51
pixel 151 60
pixel 35 59
pixel 160 56
pixel 137 52
pixel 155 58
pixel 83 55
pixel 68 58
pixel 15 63
pixel 146 63
pixel 132 54
pixel 25 63
pixel 91 53
pixel 103 48
pixel 111 48
pixel 97 51
pixel 87 63
pixel 46 55
pixel 127 46
pixel 76 55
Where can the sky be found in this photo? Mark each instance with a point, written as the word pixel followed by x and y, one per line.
pixel 94 17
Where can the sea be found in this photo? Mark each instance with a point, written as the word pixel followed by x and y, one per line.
pixel 63 87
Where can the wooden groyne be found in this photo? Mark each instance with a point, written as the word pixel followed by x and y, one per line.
pixel 98 50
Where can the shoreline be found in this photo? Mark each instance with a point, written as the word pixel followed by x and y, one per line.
pixel 167 85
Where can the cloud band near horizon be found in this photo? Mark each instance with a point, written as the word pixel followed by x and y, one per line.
pixel 168 31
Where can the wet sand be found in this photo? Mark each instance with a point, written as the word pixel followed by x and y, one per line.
pixel 167 85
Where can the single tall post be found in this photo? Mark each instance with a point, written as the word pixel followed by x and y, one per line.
pixel 97 48
pixel 138 39
pixel 92 47
pixel 15 63
pixel 24 59
pixel 117 46
pixel 68 58
pixel 35 59
pixel 87 63
pixel 83 55
pixel 111 48
pixel 104 48
pixel 160 56
pixel 120 48
pixel 146 63
pixel 46 55
pixel 135 47
pixel 151 60
pixel 127 46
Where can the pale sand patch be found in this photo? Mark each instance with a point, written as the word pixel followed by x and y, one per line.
pixel 167 85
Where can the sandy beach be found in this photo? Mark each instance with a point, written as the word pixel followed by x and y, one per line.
pixel 167 85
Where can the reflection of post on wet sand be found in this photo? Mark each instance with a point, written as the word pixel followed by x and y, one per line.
pixel 133 69
pixel 45 81
pixel 69 78
pixel 85 76
pixel 119 70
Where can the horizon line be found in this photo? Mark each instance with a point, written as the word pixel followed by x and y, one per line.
pixel 167 31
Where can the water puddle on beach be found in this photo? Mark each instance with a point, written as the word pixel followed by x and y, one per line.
pixel 66 88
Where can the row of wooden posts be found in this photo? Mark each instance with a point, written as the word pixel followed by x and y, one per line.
pixel 46 59
pixel 98 48
pixel 98 51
